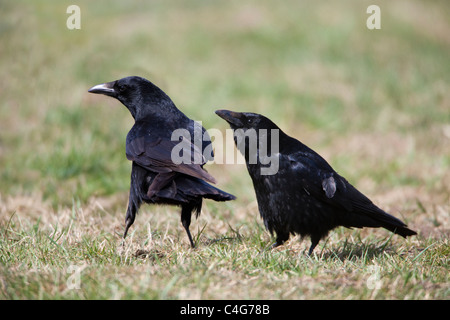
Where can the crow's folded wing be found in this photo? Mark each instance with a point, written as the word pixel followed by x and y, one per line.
pixel 320 181
pixel 159 155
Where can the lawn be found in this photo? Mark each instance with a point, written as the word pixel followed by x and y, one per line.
pixel 374 103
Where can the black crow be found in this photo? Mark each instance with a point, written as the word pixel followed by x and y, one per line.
pixel 297 191
pixel 158 174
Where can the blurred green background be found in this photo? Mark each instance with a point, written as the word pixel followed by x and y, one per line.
pixel 376 103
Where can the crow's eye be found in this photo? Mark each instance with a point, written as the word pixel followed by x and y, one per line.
pixel 249 120
pixel 122 88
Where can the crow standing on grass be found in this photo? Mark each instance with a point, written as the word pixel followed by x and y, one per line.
pixel 305 196
pixel 155 177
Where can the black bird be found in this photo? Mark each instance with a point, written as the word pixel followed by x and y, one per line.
pixel 156 176
pixel 301 193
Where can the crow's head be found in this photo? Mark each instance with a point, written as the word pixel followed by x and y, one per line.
pixel 246 120
pixel 256 137
pixel 135 93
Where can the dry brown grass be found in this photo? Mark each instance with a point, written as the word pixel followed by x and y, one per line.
pixel 374 104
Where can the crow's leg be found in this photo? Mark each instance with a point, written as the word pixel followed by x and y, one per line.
pixel 134 200
pixel 133 207
pixel 282 237
pixel 314 241
pixel 186 213
pixel 128 223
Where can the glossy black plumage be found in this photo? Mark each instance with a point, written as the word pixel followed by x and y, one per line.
pixel 305 196
pixel 155 177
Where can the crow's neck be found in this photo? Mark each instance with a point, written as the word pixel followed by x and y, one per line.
pixel 267 143
pixel 161 111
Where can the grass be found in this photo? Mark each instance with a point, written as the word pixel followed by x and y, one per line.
pixel 373 103
pixel 76 259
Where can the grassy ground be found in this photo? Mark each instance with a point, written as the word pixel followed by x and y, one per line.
pixel 375 104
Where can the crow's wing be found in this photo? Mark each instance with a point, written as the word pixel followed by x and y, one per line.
pixel 201 137
pixel 320 180
pixel 160 155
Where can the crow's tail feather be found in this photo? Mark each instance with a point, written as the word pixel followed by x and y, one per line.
pixel 372 216
pixel 400 230
pixel 194 187
pixel 219 195
pixel 391 223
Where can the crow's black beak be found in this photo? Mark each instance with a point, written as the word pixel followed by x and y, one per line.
pixel 104 88
pixel 233 118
